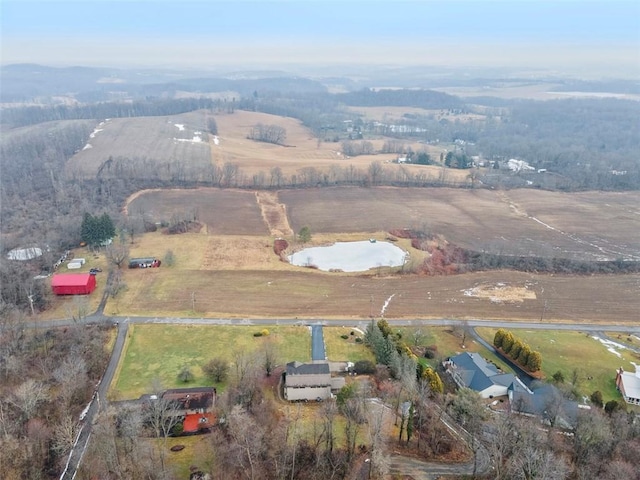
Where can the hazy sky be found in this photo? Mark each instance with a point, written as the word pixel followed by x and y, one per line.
pixel 556 34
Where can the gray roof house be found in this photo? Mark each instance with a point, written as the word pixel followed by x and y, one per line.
pixel 311 381
pixel 307 381
pixel 470 370
pixel 545 401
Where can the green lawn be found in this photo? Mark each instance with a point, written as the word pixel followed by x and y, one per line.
pixel 158 352
pixel 449 343
pixel 345 350
pixel 568 351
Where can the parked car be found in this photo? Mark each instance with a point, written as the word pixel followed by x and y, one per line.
pixel 94 271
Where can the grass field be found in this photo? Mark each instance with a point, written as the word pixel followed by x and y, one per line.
pixel 142 139
pixel 569 351
pixel 160 351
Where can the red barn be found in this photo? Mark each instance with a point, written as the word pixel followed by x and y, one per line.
pixel 73 283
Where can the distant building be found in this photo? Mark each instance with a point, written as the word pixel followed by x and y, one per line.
pixel 629 385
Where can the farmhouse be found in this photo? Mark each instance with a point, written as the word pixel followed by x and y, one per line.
pixel 311 381
pixel 194 405
pixel 146 262
pixel 73 283
pixel 470 370
pixel 629 385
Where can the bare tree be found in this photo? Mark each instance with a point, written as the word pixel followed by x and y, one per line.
pixel 117 253
pixel 269 355
pixel 28 396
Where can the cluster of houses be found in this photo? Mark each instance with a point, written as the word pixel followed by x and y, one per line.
pixel 471 370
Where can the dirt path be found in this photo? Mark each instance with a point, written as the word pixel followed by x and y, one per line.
pixel 515 208
pixel 274 214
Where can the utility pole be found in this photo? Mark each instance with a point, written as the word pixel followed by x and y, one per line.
pixel 193 301
pixel 371 307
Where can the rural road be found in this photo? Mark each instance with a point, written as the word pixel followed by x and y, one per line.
pixel 421 469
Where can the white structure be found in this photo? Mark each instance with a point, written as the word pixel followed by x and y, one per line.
pixel 629 385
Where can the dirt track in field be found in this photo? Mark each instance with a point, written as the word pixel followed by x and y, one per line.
pixel 274 213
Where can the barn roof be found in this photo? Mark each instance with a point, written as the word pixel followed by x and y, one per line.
pixel 70 279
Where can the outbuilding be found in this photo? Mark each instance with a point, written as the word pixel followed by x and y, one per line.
pixel 73 283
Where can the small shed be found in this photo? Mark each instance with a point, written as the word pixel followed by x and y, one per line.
pixel 73 283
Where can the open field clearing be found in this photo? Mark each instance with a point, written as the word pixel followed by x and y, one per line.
pixel 340 349
pixel 568 351
pixel 302 151
pixel 172 142
pixel 230 212
pixel 158 352
pixel 584 226
pixel 595 226
pixel 308 293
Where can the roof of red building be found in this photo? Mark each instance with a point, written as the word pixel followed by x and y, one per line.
pixel 196 421
pixel 70 279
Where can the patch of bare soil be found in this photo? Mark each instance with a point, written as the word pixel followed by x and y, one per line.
pixel 274 213
pixel 501 293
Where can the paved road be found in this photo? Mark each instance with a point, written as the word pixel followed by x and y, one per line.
pixel 98 403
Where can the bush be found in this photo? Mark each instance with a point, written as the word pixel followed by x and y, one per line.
pixel 344 336
pixel 430 353
pixel 185 375
pixel 364 367
pixel 257 334
pixel 358 340
pixel 264 332
pixel 216 369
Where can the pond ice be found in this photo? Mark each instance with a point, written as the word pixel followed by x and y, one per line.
pixel 350 256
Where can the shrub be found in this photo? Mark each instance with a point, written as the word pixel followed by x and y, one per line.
pixel 257 334
pixel 430 352
pixel 185 375
pixel 264 332
pixel 364 366
pixel 216 369
pixel 352 332
pixel 358 340
pixel 344 337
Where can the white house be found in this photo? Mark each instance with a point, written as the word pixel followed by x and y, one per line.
pixel 629 385
pixel 307 381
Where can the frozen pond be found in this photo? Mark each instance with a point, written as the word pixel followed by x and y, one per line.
pixel 350 256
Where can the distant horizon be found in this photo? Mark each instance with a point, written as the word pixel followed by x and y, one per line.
pixel 567 36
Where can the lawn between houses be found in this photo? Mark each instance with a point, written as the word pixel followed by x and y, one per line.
pixel 568 351
pixel 158 352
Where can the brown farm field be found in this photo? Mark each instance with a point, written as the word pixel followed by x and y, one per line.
pixel 590 225
pixel 171 147
pixel 229 268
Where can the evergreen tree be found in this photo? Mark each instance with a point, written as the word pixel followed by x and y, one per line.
pixel 516 348
pixel 523 358
pixel 535 361
pixel 499 337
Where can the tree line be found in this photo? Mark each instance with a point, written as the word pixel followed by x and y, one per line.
pixel 517 350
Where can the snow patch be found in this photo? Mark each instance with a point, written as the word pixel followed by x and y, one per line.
pixel 87 146
pixel 97 130
pixel 195 139
pixel 386 304
pixel 611 346
pixel 180 126
pixel 24 253
pixel 216 140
